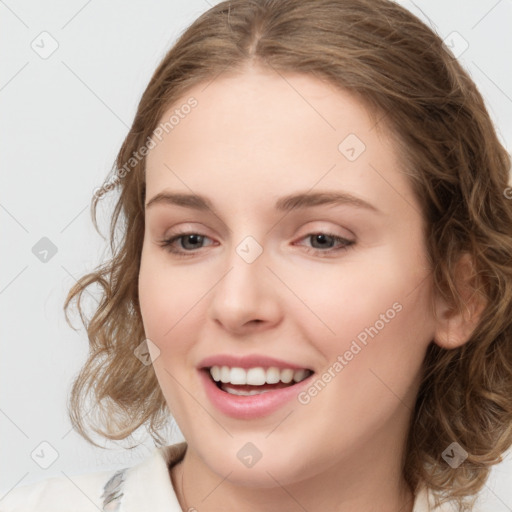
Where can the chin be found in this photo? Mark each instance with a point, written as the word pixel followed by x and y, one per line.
pixel 275 467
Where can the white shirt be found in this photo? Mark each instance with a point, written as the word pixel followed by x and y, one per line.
pixel 144 487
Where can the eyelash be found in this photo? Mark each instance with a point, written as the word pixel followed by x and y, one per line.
pixel 347 244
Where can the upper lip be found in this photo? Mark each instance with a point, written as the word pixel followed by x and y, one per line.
pixel 249 361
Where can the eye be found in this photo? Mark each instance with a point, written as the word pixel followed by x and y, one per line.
pixel 188 243
pixel 326 243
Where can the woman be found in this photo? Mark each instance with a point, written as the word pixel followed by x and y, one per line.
pixel 316 256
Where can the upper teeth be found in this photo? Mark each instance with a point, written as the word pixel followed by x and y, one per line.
pixel 256 376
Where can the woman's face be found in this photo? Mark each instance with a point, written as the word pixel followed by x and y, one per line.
pixel 305 254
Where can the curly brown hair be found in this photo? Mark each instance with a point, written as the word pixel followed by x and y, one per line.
pixel 421 95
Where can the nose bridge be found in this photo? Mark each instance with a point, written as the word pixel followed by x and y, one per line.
pixel 245 294
pixel 245 280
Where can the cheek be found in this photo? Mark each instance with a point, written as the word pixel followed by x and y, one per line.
pixel 170 302
pixel 382 327
pixel 170 309
pixel 384 304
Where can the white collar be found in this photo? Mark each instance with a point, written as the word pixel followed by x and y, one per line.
pixel 145 486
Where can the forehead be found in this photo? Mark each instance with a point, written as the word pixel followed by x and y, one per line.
pixel 269 110
pixel 262 131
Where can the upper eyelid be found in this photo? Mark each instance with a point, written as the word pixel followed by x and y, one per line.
pixel 311 232
pixel 298 211
pixel 188 229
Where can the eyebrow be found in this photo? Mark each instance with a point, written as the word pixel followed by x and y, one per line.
pixel 283 204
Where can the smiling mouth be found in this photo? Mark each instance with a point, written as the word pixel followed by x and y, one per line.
pixel 255 381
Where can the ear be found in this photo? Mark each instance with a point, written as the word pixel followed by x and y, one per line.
pixel 453 329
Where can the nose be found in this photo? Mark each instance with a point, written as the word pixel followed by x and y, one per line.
pixel 246 298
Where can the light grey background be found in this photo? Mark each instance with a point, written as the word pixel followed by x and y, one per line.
pixel 63 120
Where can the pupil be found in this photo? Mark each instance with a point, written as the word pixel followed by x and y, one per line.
pixel 193 238
pixel 321 238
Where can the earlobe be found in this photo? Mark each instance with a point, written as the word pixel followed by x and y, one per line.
pixel 454 328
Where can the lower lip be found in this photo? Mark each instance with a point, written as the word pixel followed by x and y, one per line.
pixel 253 406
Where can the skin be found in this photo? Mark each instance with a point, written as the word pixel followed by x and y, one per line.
pixel 252 139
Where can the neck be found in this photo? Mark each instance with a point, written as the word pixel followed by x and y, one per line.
pixel 363 483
